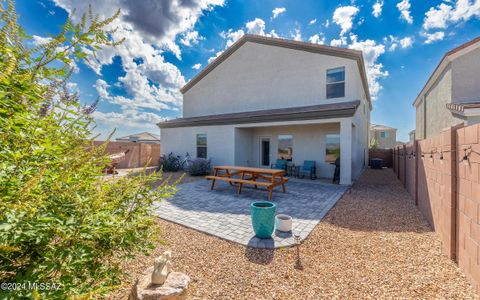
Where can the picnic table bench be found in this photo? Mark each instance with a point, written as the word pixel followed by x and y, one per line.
pixel 270 178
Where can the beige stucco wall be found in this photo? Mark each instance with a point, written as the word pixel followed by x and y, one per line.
pixel 419 121
pixel 465 77
pixel 258 76
pixel 458 83
pixel 438 116
pixel 432 116
pixel 386 142
pixel 220 142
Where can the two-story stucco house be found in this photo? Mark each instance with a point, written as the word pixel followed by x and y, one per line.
pixel 451 95
pixel 383 137
pixel 268 98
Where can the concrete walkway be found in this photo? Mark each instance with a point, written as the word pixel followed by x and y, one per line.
pixel 225 214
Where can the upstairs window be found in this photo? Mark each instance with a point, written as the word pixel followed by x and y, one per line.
pixel 202 145
pixel 336 83
pixel 384 134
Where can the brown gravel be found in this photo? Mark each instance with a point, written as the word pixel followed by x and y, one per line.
pixel 373 244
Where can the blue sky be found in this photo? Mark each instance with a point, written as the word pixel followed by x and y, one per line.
pixel 168 42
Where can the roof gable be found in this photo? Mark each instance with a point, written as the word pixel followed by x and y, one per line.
pixel 444 62
pixel 290 44
pixel 141 136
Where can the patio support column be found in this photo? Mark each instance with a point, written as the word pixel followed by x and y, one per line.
pixel 346 151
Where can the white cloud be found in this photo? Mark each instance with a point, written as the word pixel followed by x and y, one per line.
pixel 371 52
pixel 196 66
pixel 377 9
pixel 277 11
pixel 311 22
pixel 404 8
pixel 394 42
pixel 317 39
pixel 158 23
pixel 393 47
pixel 215 56
pixel 445 14
pixel 343 16
pixel 432 37
pixel 296 34
pixel 232 36
pixel 40 40
pixel 342 41
pixel 191 38
pixel 101 87
pixel 256 26
pixel 406 42
pixel 153 83
pixel 127 118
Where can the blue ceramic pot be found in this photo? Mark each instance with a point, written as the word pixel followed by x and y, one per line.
pixel 263 218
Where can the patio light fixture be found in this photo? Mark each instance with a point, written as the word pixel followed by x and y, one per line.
pixel 465 157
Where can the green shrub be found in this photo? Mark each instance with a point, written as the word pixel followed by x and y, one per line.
pixel 169 163
pixel 61 222
pixel 199 167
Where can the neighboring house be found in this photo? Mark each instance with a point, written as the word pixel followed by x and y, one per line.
pixel 144 137
pixel 411 136
pixel 267 98
pixel 383 137
pixel 451 95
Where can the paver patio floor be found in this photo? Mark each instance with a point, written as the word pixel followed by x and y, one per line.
pixel 225 214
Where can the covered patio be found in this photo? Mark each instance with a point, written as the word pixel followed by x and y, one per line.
pixel 261 144
pixel 225 214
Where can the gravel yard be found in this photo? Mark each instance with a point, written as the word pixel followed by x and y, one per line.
pixel 373 244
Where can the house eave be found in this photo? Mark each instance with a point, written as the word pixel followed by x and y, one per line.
pixel 326 111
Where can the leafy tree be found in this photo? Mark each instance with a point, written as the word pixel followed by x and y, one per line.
pixel 60 221
pixel 374 143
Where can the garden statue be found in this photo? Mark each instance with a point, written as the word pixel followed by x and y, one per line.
pixel 162 267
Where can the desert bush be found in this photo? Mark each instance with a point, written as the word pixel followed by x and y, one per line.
pixel 60 221
pixel 199 167
pixel 169 163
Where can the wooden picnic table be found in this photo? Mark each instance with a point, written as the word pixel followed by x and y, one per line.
pixel 269 178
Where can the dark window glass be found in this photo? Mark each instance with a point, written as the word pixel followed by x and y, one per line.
pixel 336 90
pixel 336 83
pixel 202 145
pixel 335 75
pixel 265 152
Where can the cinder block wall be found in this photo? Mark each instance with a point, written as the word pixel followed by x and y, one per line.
pixel 468 184
pixel 436 186
pixel 137 157
pixel 447 191
pixel 385 154
pixel 411 176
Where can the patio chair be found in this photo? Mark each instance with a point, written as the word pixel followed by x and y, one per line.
pixel 280 164
pixel 309 168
